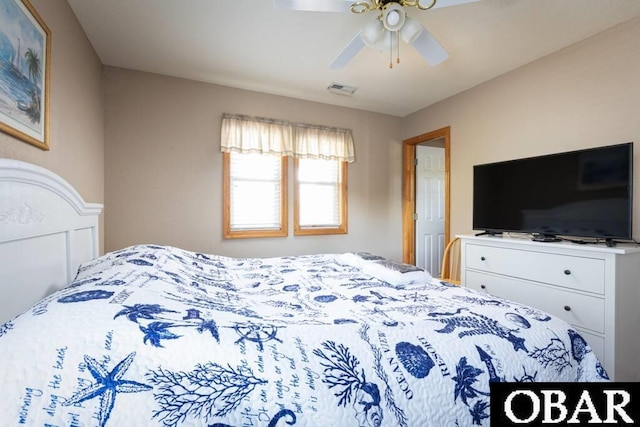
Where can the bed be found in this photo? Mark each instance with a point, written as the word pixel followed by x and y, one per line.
pixel 160 336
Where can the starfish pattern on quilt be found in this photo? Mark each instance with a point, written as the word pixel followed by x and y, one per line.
pixel 107 386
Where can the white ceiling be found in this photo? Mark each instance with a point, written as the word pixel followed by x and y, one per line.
pixel 252 45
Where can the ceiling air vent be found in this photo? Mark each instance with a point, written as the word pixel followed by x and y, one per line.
pixel 340 89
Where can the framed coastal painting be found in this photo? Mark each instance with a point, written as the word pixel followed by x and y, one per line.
pixel 25 47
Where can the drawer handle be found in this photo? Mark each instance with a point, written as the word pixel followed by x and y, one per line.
pixel 567 272
pixel 567 308
pixel 483 287
pixel 482 258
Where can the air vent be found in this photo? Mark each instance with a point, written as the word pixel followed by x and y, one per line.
pixel 340 89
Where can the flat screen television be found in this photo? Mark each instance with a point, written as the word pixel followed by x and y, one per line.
pixel 584 193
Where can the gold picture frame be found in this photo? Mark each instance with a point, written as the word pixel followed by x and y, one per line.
pixel 25 63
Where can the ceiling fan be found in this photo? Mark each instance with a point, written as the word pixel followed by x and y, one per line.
pixel 389 26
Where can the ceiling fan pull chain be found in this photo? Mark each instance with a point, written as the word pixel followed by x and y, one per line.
pixel 398 46
pixel 390 49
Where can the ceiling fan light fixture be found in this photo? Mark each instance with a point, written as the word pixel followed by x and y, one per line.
pixel 392 24
pixel 372 33
pixel 393 16
pixel 411 30
pixel 386 43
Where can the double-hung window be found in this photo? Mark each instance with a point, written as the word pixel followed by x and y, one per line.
pixel 320 196
pixel 255 195
pixel 255 152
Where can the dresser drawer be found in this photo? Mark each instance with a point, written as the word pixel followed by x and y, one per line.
pixel 577 309
pixel 596 342
pixel 575 272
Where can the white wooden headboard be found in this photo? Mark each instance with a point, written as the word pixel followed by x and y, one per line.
pixel 46 232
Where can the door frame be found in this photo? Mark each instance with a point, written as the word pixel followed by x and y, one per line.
pixel 409 189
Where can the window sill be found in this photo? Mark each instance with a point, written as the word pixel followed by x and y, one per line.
pixel 252 234
pixel 317 231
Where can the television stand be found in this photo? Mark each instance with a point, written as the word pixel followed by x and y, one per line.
pixel 546 238
pixel 489 233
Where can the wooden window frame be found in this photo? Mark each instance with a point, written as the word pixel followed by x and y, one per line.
pixel 315 231
pixel 227 232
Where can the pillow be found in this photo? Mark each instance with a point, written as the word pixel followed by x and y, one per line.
pixel 358 259
pixel 396 273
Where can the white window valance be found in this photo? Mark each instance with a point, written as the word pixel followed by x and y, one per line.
pixel 249 134
pixel 321 142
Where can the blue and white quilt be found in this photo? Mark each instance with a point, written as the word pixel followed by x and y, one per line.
pixel 159 336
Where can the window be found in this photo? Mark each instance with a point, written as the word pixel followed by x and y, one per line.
pixel 255 152
pixel 255 195
pixel 320 197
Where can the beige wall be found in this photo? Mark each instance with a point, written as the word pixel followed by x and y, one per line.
pixel 148 145
pixel 163 177
pixel 584 96
pixel 76 115
pixel 163 166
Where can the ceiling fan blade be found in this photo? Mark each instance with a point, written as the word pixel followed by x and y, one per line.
pixel 447 3
pixel 430 48
pixel 348 53
pixel 314 5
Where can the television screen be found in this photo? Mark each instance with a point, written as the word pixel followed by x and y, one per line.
pixel 584 193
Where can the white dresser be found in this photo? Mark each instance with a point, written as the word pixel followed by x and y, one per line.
pixel 594 288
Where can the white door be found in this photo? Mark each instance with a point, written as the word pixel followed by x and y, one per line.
pixel 430 209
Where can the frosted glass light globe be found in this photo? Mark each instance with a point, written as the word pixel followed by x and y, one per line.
pixel 372 33
pixel 411 29
pixel 393 18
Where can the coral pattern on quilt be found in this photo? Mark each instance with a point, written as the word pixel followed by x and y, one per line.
pixel 159 336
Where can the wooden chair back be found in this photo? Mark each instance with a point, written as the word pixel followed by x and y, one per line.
pixel 451 262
